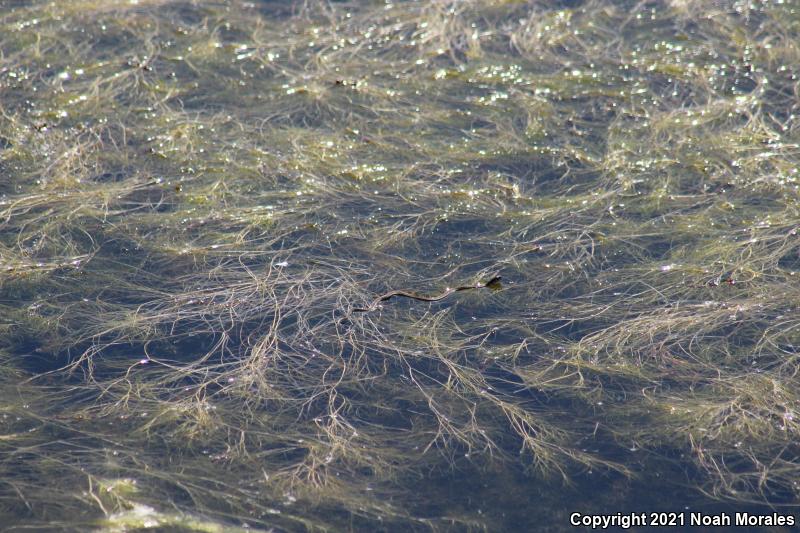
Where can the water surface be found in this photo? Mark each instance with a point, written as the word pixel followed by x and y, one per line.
pixel 194 196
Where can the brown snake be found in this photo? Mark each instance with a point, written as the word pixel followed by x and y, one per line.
pixel 492 284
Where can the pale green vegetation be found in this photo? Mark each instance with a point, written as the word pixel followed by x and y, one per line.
pixel 193 195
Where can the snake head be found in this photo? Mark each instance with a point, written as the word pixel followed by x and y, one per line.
pixel 494 283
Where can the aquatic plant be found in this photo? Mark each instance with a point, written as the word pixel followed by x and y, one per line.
pixel 194 197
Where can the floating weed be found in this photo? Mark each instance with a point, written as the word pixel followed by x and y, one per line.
pixel 194 199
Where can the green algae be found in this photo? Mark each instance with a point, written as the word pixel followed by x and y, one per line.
pixel 193 197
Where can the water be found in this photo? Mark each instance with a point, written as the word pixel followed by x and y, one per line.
pixel 194 197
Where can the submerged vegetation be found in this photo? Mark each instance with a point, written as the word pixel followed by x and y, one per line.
pixel 195 196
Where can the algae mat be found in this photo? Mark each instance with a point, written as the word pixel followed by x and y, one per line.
pixel 196 195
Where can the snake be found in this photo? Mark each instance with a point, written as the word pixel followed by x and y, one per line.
pixel 493 283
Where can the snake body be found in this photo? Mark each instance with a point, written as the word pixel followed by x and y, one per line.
pixel 492 283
